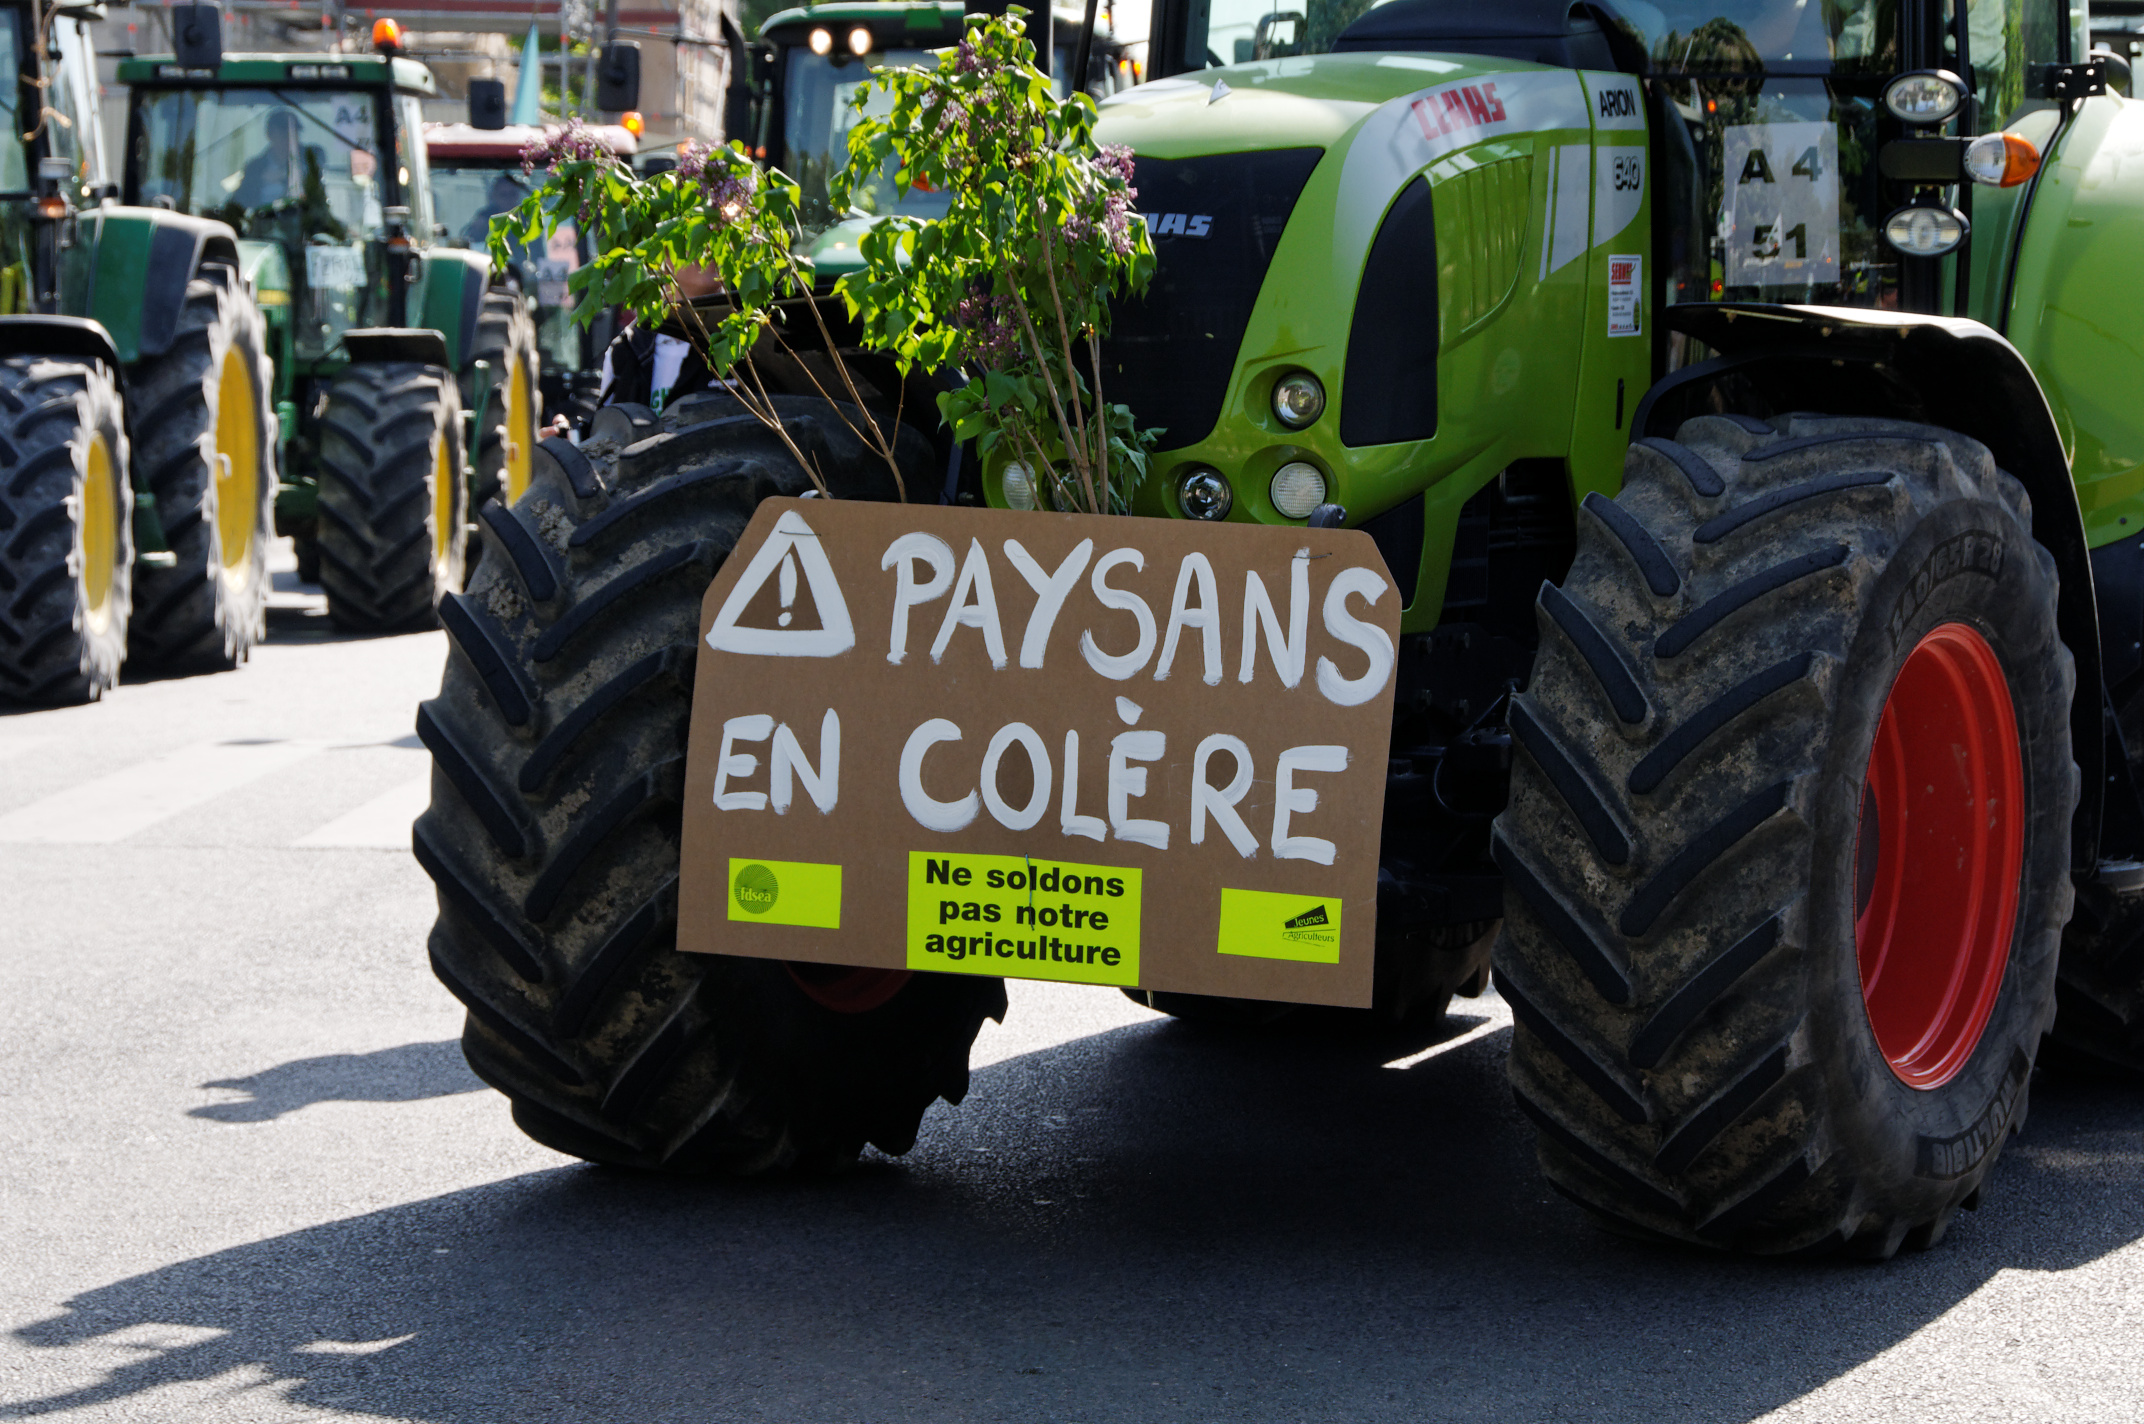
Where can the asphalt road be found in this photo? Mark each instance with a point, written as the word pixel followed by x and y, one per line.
pixel 244 1175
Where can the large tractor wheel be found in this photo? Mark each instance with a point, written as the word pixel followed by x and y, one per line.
pixel 558 744
pixel 393 504
pixel 66 539
pixel 1788 841
pixel 506 426
pixel 204 446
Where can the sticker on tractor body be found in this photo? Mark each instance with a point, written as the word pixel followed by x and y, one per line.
pixel 1624 284
pixel 1139 752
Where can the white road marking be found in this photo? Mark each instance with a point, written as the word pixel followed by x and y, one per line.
pixel 134 798
pixel 380 824
pixel 11 747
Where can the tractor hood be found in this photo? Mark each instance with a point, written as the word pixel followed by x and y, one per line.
pixel 1387 116
pixel 1265 188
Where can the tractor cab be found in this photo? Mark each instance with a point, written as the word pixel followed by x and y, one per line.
pixel 315 160
pixel 797 111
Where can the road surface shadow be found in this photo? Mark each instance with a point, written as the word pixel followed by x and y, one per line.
pixel 409 1073
pixel 1152 1223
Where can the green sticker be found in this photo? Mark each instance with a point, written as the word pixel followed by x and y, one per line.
pixel 1265 925
pixel 1023 918
pixel 786 892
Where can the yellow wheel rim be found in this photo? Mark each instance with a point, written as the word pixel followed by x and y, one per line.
pixel 520 431
pixel 236 444
pixel 442 505
pixel 99 522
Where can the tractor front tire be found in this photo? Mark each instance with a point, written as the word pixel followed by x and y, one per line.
pixel 558 743
pixel 66 536
pixel 393 502
pixel 1788 841
pixel 204 446
pixel 506 426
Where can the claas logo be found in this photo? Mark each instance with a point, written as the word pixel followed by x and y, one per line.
pixel 1463 106
pixel 1182 224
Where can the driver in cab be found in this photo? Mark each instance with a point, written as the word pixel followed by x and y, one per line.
pixel 287 168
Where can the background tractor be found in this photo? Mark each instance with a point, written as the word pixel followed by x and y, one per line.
pixel 407 380
pixel 1739 395
pixel 793 106
pixel 137 443
pixel 476 174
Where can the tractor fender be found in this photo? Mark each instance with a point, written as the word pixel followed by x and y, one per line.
pixel 74 337
pixel 144 259
pixel 1945 371
pixel 454 281
pixel 396 343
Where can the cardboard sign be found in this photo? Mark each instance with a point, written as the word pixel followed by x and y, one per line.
pixel 1140 752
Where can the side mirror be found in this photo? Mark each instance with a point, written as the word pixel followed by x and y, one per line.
pixel 197 36
pixel 487 103
pixel 618 80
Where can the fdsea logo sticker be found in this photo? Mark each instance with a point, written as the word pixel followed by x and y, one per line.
pixel 786 892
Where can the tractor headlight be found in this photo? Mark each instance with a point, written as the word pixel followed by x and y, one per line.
pixel 1298 399
pixel 1925 97
pixel 859 42
pixel 1204 493
pixel 1925 232
pixel 822 42
pixel 1298 488
pixel 1018 484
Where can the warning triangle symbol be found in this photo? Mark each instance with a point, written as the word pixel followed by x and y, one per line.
pixel 790 547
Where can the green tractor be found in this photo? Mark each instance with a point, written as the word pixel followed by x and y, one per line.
pixel 406 379
pixel 476 175
pixel 137 441
pixel 1742 397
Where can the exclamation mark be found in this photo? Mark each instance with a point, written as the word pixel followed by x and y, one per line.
pixel 788 587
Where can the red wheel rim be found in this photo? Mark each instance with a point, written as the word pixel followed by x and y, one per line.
pixel 846 990
pixel 1939 855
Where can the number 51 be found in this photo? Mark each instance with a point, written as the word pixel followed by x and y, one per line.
pixel 1764 245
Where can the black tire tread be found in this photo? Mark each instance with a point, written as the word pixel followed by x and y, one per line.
pixel 570 706
pixel 51 651
pixel 196 614
pixel 376 508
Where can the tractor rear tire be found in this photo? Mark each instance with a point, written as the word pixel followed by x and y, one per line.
pixel 506 433
pixel 558 743
pixel 394 506
pixel 66 534
pixel 204 446
pixel 1788 841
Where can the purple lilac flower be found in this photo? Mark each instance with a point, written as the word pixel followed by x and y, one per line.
pixel 576 142
pixel 729 193
pixel 987 323
pixel 692 160
pixel 1115 159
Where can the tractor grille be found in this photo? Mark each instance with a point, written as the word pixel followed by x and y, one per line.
pixel 1215 222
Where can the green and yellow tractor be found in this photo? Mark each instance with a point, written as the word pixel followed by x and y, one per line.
pixel 137 441
pixel 1742 396
pixel 407 379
